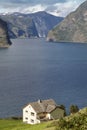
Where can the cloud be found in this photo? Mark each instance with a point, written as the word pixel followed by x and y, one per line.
pixel 23 8
pixel 32 9
pixel 55 7
pixel 62 9
pixel 34 2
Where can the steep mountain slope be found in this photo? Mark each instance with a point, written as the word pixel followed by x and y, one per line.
pixel 73 28
pixel 20 26
pixel 44 22
pixel 30 25
pixel 4 39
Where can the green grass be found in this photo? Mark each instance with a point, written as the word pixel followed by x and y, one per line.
pixel 76 121
pixel 10 124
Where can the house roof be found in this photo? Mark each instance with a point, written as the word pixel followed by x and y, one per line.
pixel 44 105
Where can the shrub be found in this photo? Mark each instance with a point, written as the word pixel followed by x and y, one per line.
pixel 74 109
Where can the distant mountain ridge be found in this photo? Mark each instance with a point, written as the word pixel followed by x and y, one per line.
pixel 73 28
pixel 30 25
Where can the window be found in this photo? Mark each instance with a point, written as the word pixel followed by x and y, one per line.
pixel 32 114
pixel 26 111
pixel 32 121
pixel 26 118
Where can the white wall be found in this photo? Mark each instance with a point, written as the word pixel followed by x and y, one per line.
pixel 28 117
pixel 48 116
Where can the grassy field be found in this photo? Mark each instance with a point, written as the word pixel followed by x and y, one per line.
pixel 10 124
pixel 77 121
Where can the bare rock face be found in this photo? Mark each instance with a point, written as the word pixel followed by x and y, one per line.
pixel 4 39
pixel 30 25
pixel 73 28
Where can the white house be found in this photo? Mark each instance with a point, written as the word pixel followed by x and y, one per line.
pixel 41 110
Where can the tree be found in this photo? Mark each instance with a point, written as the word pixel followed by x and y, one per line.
pixel 63 107
pixel 74 109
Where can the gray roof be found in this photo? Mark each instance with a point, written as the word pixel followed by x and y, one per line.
pixel 44 105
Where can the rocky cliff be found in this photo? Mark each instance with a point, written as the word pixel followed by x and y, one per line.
pixel 4 38
pixel 44 22
pixel 20 26
pixel 73 28
pixel 30 25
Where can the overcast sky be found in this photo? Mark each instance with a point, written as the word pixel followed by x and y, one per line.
pixel 55 7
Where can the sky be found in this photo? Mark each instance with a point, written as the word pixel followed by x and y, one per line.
pixel 55 7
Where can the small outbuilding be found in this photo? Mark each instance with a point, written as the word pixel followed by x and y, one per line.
pixel 42 110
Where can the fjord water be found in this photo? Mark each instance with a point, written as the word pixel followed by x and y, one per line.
pixel 33 69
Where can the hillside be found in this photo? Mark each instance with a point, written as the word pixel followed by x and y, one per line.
pixel 20 26
pixel 4 38
pixel 10 124
pixel 44 22
pixel 76 121
pixel 30 25
pixel 73 28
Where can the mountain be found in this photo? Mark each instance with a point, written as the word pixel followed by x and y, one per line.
pixel 30 25
pixel 4 38
pixel 73 28
pixel 44 22
pixel 20 26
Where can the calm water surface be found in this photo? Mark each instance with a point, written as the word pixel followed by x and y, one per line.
pixel 33 69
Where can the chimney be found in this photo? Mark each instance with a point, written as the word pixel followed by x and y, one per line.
pixel 39 101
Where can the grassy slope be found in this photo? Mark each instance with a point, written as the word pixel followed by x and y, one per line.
pixel 76 121
pixel 19 125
